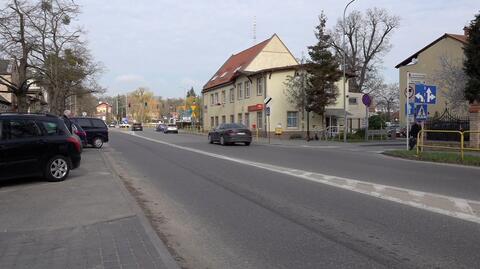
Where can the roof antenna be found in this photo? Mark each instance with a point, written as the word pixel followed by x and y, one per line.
pixel 254 30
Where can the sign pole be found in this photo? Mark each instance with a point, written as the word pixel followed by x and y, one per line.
pixel 407 97
pixel 366 123
pixel 268 128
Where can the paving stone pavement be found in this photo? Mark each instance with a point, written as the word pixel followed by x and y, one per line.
pixel 84 222
pixel 118 243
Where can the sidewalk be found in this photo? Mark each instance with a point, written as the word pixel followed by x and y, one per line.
pixel 87 221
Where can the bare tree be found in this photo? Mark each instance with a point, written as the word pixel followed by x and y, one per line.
pixel 386 98
pixel 16 42
pixel 368 39
pixel 295 90
pixel 63 64
pixel 452 79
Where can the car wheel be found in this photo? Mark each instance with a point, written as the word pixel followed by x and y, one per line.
pixel 210 139
pixel 57 168
pixel 97 142
pixel 222 141
pixel 247 143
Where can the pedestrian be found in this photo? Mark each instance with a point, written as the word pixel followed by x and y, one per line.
pixel 66 119
pixel 416 128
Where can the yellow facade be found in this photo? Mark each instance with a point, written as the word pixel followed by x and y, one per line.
pixel 428 62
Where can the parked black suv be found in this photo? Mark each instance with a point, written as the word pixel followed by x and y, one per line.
pixel 96 129
pixel 36 144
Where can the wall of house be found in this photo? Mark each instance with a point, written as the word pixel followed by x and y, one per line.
pixel 275 54
pixel 429 63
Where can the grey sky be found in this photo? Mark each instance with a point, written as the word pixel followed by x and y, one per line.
pixel 169 46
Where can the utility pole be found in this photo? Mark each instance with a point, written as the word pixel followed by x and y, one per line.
pixel 344 75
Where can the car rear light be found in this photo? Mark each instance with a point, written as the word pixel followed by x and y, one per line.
pixel 75 143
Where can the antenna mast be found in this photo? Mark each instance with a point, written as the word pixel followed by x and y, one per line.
pixel 254 29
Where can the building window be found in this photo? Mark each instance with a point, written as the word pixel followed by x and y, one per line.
pixel 259 86
pixel 232 119
pixel 232 95
pixel 247 89
pixel 211 99
pixel 239 91
pixel 260 120
pixel 224 119
pixel 352 101
pixel 223 97
pixel 247 120
pixel 216 120
pixel 216 98
pixel 239 119
pixel 292 119
pixel 212 123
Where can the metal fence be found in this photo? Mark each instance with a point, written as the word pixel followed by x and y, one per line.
pixel 447 122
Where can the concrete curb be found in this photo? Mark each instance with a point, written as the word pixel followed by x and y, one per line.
pixel 166 257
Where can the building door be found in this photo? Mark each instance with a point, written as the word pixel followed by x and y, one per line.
pixel 247 120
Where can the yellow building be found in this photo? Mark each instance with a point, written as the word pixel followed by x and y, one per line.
pixel 427 61
pixel 236 92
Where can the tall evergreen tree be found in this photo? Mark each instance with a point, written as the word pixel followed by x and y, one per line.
pixel 472 61
pixel 323 69
pixel 191 93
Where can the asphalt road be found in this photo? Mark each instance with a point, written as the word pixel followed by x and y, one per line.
pixel 218 213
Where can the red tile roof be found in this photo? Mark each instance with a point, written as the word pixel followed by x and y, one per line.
pixel 235 64
pixel 460 38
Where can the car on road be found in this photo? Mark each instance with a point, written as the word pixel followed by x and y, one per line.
pixel 37 145
pixel 124 125
pixel 230 133
pixel 78 131
pixel 171 128
pixel 161 127
pixel 96 129
pixel 112 125
pixel 137 127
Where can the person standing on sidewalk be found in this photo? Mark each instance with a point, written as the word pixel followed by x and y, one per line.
pixel 66 119
pixel 416 128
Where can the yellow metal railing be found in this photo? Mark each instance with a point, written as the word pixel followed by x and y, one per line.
pixel 462 148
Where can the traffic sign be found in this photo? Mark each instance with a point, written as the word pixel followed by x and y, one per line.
pixel 417 78
pixel 367 100
pixel 425 94
pixel 267 111
pixel 421 112
pixel 267 100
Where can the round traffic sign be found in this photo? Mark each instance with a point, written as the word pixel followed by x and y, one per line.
pixel 367 100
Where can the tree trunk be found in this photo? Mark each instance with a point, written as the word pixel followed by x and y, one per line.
pixel 21 102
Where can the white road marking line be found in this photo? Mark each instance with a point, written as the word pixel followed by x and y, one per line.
pixel 350 185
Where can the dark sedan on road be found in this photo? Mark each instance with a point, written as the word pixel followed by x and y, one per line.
pixel 230 133
pixel 137 127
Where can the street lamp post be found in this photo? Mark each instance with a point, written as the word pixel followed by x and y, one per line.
pixel 344 75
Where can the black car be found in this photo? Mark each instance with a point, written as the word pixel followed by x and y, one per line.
pixel 230 133
pixel 37 144
pixel 137 127
pixel 96 129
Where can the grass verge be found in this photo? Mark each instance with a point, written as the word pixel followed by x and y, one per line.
pixel 436 156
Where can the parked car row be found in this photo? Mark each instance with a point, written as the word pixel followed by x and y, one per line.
pixel 42 145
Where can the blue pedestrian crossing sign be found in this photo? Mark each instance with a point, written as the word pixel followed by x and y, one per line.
pixel 421 112
pixel 425 94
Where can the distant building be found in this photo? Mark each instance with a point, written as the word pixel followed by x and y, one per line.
pixel 236 93
pixel 5 97
pixel 103 110
pixel 428 61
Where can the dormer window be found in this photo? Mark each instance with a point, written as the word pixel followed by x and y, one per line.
pixel 214 78
pixel 236 69
pixel 224 74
